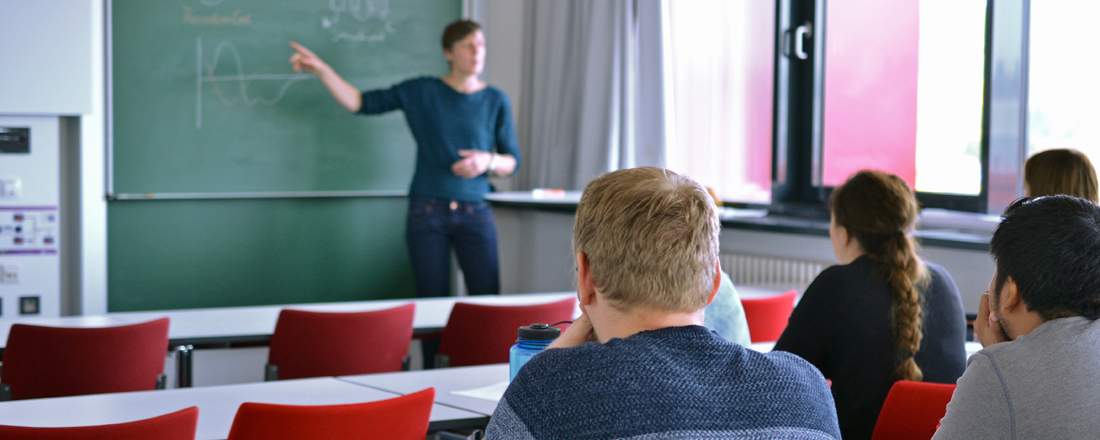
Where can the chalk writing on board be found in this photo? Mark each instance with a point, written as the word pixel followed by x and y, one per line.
pixel 235 18
pixel 232 89
pixel 358 21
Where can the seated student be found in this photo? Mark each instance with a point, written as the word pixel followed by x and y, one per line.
pixel 638 363
pixel 1039 374
pixel 726 316
pixel 882 314
pixel 1060 171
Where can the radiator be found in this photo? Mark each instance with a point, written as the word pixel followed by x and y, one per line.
pixel 779 273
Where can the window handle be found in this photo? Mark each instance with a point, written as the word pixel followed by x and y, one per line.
pixel 800 34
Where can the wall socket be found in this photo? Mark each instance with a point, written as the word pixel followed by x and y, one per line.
pixel 11 187
pixel 9 274
pixel 30 305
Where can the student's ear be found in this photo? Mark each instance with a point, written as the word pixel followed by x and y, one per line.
pixel 1009 298
pixel 586 291
pixel 716 284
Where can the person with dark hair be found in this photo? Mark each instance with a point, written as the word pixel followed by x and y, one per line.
pixel 464 134
pixel 882 314
pixel 1037 376
pixel 1060 171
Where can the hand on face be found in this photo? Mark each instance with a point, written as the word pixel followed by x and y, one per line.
pixel 473 163
pixel 577 334
pixel 987 328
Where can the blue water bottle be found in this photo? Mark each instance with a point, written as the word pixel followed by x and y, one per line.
pixel 532 340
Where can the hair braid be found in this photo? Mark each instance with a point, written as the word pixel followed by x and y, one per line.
pixel 906 276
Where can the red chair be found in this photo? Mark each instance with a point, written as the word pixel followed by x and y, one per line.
pixel 767 317
pixel 179 425
pixel 311 344
pixel 61 361
pixel 478 334
pixel 912 410
pixel 400 418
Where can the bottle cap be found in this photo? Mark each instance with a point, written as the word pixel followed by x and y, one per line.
pixel 539 332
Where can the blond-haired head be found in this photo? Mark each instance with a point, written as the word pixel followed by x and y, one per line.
pixel 651 239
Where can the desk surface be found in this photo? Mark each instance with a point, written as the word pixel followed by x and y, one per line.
pixel 256 323
pixel 217 405
pixel 445 381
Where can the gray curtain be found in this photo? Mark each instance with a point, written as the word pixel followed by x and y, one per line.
pixel 592 87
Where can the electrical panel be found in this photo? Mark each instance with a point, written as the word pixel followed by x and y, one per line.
pixel 30 217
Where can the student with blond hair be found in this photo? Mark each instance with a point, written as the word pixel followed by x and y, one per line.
pixel 638 363
pixel 882 314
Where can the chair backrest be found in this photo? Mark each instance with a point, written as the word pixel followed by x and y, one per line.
pixel 62 361
pixel 179 425
pixel 401 418
pixel 767 317
pixel 478 334
pixel 311 344
pixel 912 410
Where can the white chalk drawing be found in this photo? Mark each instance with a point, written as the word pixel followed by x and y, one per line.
pixel 358 21
pixel 232 90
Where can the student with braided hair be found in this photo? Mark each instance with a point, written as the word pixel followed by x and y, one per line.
pixel 882 314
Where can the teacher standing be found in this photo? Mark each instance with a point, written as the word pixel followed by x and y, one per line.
pixel 464 133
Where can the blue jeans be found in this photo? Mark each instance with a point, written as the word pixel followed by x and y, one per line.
pixel 434 227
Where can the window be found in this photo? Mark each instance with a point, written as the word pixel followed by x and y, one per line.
pixel 1062 91
pixel 903 92
pixel 719 73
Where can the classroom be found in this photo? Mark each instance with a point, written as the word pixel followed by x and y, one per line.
pixel 536 219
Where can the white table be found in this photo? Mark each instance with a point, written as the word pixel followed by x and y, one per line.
pixel 445 381
pixel 224 326
pixel 217 405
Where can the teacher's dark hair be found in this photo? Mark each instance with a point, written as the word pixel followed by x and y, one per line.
pixel 457 31
pixel 1050 246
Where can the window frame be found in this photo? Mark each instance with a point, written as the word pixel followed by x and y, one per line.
pixel 799 100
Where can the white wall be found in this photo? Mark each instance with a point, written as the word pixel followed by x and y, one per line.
pixel 53 61
pixel 44 57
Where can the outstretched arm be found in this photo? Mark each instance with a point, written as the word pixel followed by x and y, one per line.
pixel 344 93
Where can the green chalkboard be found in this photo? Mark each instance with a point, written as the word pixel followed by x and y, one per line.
pixel 172 254
pixel 204 104
pixel 204 100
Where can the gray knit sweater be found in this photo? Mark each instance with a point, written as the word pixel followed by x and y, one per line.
pixel 672 383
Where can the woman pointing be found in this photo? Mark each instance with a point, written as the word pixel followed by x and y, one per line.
pixel 464 133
